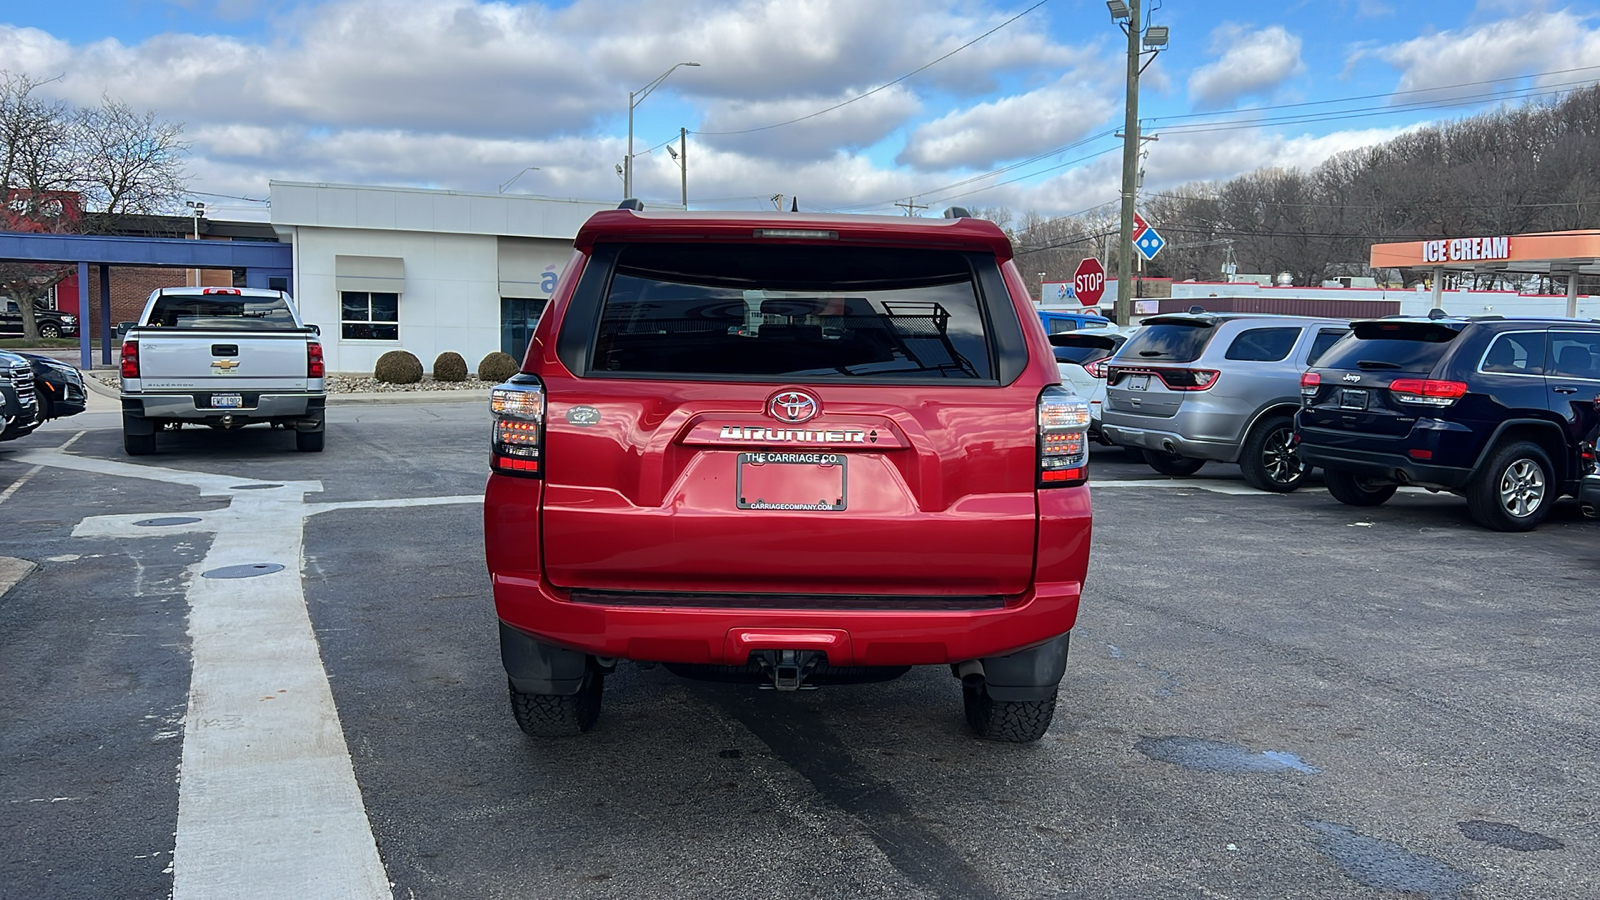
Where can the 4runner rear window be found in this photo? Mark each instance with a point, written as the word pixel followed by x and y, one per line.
pixel 247 313
pixel 746 310
pixel 1168 342
pixel 1414 347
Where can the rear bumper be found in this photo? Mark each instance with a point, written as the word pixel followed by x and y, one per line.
pixel 1589 496
pixel 717 636
pixel 1386 466
pixel 195 406
pixel 1169 441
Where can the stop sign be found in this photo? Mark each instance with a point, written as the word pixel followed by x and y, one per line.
pixel 1089 282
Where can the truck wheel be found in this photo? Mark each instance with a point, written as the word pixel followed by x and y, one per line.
pixel 1515 491
pixel 1172 464
pixel 546 715
pixel 138 444
pixel 1009 721
pixel 308 441
pixel 49 330
pixel 1354 490
pixel 1269 461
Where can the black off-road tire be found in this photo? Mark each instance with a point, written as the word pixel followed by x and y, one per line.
pixel 1515 490
pixel 546 715
pixel 138 444
pixel 49 330
pixel 309 441
pixel 1172 464
pixel 1268 459
pixel 1356 490
pixel 1007 721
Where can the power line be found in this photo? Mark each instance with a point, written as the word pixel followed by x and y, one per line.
pixel 884 87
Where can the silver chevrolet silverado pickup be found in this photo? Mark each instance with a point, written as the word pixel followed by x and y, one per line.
pixel 222 357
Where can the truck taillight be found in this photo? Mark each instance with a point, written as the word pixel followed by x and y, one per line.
pixel 315 368
pixel 1063 438
pixel 517 446
pixel 130 359
pixel 1310 383
pixel 1427 391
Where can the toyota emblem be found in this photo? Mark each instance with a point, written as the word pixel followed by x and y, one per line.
pixel 793 407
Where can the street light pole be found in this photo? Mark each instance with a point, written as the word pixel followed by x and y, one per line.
pixel 683 163
pixel 634 99
pixel 1130 171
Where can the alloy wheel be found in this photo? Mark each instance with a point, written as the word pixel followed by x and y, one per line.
pixel 1278 456
pixel 1522 488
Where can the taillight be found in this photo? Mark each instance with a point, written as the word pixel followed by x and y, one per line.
pixel 1310 382
pixel 1096 369
pixel 130 359
pixel 314 365
pixel 518 442
pixel 1063 438
pixel 1427 391
pixel 1188 379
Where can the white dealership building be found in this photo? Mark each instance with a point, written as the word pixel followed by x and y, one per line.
pixel 381 269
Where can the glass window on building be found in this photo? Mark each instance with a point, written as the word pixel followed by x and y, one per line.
pixel 518 315
pixel 369 316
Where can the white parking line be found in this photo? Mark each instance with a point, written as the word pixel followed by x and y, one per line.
pixel 268 805
pixel 1215 487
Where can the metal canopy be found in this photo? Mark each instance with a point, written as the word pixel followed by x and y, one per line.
pixel 1557 253
pixel 260 261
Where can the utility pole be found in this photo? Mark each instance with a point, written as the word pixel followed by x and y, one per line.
pixel 683 163
pixel 1130 171
pixel 911 206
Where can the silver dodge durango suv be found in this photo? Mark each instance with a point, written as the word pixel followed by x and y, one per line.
pixel 1201 386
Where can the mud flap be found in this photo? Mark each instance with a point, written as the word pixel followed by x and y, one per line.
pixel 1030 674
pixel 535 667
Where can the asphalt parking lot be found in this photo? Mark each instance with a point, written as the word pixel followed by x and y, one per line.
pixel 1268 696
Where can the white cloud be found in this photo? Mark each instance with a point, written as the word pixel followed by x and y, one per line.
pixel 1011 127
pixel 1252 62
pixel 1502 50
pixel 859 124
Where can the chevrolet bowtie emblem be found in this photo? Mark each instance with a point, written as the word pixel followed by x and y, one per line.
pixel 226 365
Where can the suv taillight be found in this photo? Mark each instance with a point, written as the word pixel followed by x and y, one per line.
pixel 1063 438
pixel 130 359
pixel 518 443
pixel 1096 369
pixel 1427 391
pixel 1174 379
pixel 1310 382
pixel 315 368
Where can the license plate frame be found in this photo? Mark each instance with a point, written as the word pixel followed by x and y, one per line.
pixel 227 401
pixel 754 483
pixel 1353 399
pixel 1139 382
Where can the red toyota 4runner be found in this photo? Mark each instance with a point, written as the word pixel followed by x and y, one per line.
pixel 792 449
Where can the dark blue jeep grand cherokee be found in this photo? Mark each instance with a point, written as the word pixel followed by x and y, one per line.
pixel 1502 411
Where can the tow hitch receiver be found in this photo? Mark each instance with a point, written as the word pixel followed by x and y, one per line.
pixel 788 669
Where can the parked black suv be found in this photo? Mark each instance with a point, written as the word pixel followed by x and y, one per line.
pixel 1502 411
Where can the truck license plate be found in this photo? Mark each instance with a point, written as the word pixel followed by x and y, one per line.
pixel 795 480
pixel 226 401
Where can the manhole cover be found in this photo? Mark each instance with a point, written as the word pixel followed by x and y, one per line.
pixel 246 571
pixel 168 520
pixel 252 487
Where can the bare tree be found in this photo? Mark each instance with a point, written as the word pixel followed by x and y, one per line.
pixel 58 162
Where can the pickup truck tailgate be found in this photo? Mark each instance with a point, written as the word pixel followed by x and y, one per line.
pixel 191 359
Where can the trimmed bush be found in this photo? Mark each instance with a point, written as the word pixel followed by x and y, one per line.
pixel 497 367
pixel 449 366
pixel 398 367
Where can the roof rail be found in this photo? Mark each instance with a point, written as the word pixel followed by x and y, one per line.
pixel 957 212
pixel 633 203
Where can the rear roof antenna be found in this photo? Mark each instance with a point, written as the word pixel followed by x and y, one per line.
pixel 1438 313
pixel 632 203
pixel 957 212
pixel 1196 310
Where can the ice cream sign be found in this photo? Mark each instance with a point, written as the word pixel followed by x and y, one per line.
pixel 1466 249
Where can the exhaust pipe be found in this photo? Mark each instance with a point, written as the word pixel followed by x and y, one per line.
pixel 1167 446
pixel 970 672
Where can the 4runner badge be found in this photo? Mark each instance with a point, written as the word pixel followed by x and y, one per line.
pixel 793 407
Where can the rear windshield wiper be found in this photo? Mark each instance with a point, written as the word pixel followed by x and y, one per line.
pixel 1376 364
pixel 1148 353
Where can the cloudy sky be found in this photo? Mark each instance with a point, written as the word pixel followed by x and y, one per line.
pixel 978 102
